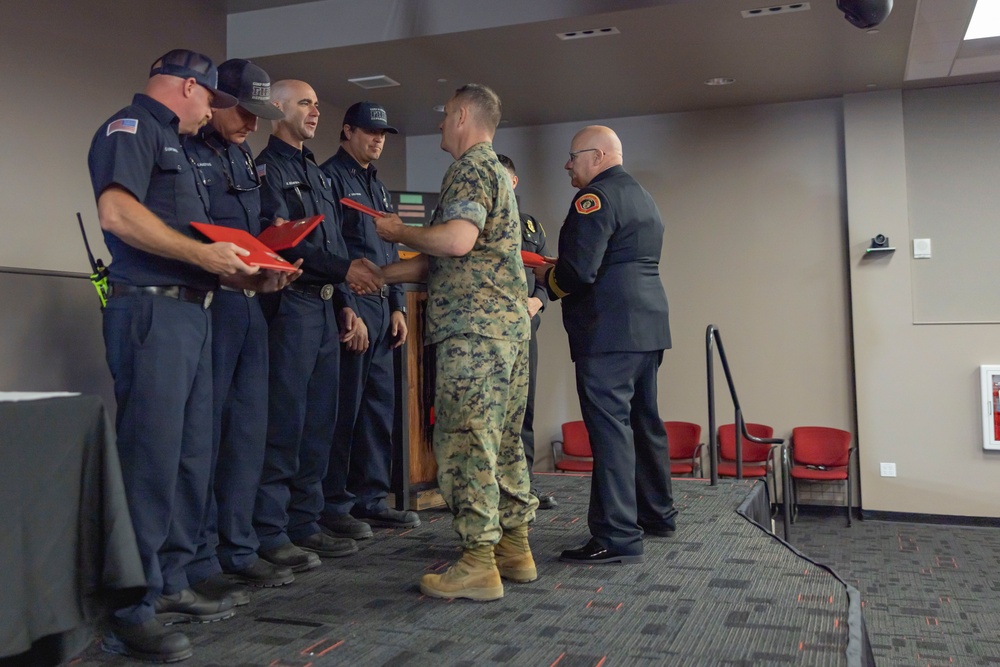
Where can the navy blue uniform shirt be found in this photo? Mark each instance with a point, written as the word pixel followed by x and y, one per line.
pixel 139 149
pixel 362 185
pixel 293 187
pixel 228 172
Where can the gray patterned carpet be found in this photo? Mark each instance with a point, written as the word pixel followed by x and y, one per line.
pixel 931 593
pixel 720 592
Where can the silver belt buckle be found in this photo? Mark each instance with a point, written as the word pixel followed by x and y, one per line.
pixel 383 291
pixel 209 295
pixel 326 292
pixel 249 293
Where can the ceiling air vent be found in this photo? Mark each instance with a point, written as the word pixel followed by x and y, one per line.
pixel 777 9
pixel 370 82
pixel 583 34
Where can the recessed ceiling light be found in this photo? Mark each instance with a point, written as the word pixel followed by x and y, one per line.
pixel 442 80
pixel 378 81
pixel 720 81
pixel 871 85
pixel 590 32
pixel 439 108
pixel 872 31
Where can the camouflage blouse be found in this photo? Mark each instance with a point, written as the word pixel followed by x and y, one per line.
pixel 483 292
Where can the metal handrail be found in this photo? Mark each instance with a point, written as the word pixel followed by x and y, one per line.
pixel 713 338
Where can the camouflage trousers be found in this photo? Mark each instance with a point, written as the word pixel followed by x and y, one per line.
pixel 480 395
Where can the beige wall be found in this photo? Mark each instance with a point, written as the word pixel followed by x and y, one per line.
pixel 917 385
pixel 753 204
pixel 768 211
pixel 67 67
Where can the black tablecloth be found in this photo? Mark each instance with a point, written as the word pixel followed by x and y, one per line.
pixel 68 553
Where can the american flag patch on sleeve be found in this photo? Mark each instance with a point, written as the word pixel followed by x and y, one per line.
pixel 129 125
pixel 261 170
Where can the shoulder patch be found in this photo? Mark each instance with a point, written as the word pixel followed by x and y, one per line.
pixel 129 125
pixel 529 223
pixel 587 204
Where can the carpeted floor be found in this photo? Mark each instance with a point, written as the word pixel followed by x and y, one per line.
pixel 931 593
pixel 720 592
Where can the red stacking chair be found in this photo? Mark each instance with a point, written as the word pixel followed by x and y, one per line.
pixel 572 453
pixel 820 454
pixel 757 457
pixel 685 448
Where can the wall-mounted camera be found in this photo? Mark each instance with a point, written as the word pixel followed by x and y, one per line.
pixel 880 241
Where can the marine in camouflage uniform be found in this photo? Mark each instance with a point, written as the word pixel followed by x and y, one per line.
pixel 477 315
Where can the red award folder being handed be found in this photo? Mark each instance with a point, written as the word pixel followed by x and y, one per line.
pixel 288 235
pixel 350 203
pixel 260 255
pixel 533 259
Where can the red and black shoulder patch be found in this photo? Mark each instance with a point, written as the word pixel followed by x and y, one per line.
pixel 587 204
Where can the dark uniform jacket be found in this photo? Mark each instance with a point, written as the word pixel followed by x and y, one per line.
pixel 363 186
pixel 533 240
pixel 608 271
pixel 294 187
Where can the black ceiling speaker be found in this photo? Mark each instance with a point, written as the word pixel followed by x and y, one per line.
pixel 865 13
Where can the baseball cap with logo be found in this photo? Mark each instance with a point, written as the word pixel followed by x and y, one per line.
pixel 190 65
pixel 251 86
pixel 369 116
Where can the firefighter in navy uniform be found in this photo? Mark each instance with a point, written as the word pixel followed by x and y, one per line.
pixel 533 240
pixel 359 474
pixel 157 331
pixel 307 322
pixel 616 316
pixel 239 344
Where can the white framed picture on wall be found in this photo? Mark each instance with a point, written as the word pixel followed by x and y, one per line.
pixel 989 381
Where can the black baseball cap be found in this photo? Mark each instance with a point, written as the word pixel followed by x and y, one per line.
pixel 369 116
pixel 191 65
pixel 251 86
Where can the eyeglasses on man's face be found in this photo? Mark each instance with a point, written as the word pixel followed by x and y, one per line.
pixel 573 154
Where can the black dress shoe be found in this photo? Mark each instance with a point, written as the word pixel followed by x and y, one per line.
pixel 593 553
pixel 263 574
pixel 217 587
pixel 345 526
pixel 149 641
pixel 290 556
pixel 189 606
pixel 545 502
pixel 325 546
pixel 389 518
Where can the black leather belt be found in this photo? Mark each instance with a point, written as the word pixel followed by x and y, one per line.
pixel 179 292
pixel 324 292
pixel 249 293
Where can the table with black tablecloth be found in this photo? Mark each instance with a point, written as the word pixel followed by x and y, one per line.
pixel 67 549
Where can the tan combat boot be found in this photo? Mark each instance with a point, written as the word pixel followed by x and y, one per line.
pixel 473 576
pixel 513 556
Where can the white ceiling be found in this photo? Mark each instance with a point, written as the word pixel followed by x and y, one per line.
pixel 658 62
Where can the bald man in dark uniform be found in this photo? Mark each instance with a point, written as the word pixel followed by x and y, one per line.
pixel 615 313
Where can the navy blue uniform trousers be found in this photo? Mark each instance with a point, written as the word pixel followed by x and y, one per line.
pixel 239 380
pixel 303 382
pixel 159 353
pixel 361 457
pixel 631 479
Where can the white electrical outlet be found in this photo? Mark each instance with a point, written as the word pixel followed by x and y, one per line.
pixel 921 248
pixel 887 469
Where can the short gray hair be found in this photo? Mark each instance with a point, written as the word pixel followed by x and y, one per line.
pixel 485 101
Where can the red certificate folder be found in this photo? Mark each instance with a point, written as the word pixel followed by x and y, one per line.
pixel 350 203
pixel 260 255
pixel 533 259
pixel 288 235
